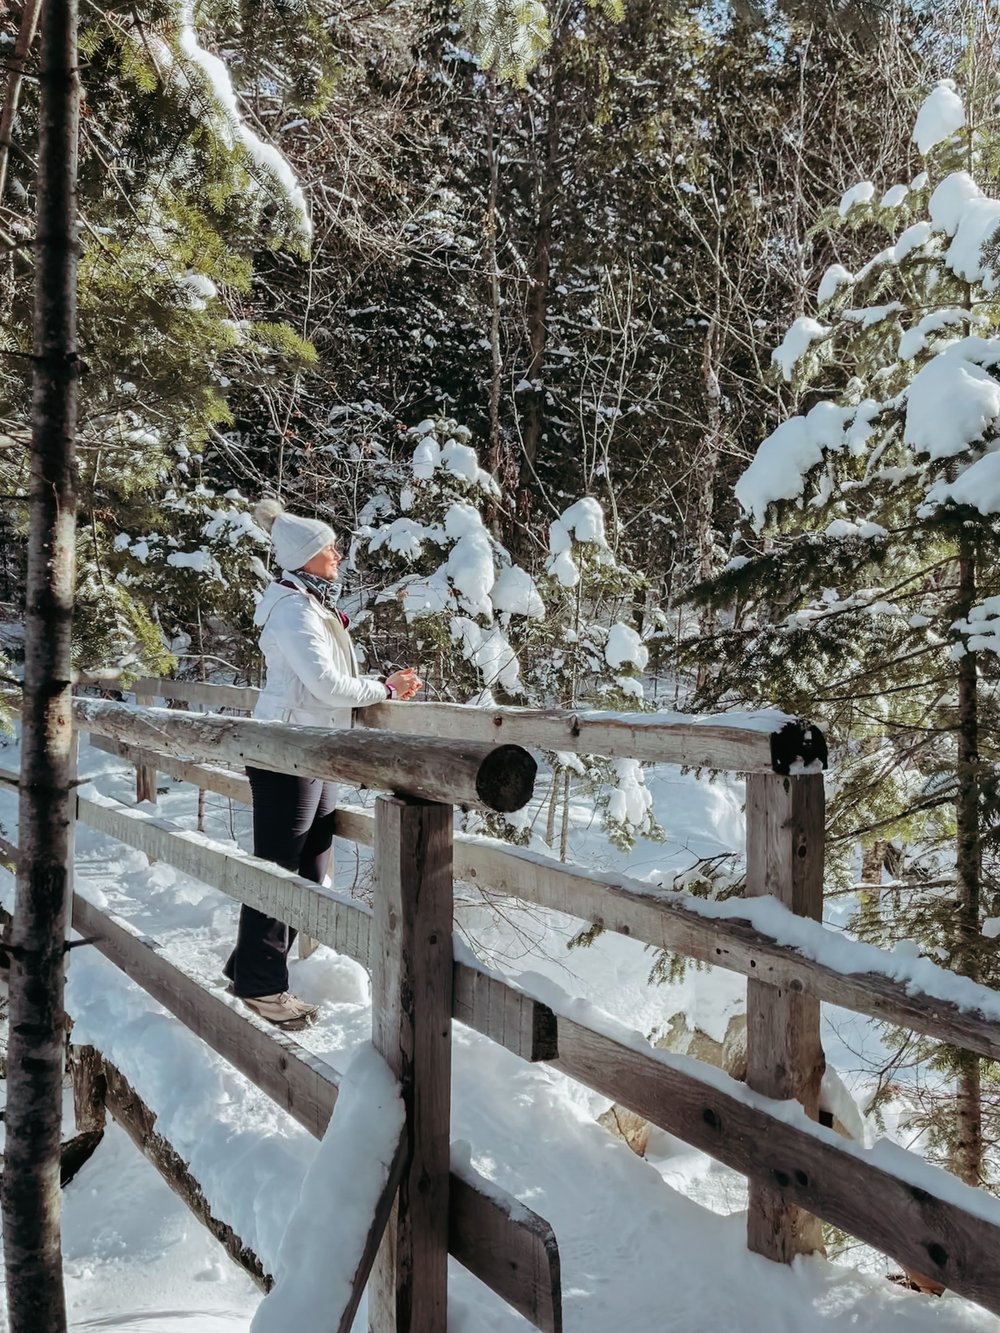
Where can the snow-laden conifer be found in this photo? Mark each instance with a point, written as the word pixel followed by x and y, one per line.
pixel 487 630
pixel 869 595
pixel 176 195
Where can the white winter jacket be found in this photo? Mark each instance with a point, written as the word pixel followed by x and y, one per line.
pixel 311 672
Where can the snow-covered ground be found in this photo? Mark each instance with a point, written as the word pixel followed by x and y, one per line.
pixel 645 1244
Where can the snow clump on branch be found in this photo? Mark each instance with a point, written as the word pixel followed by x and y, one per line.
pixel 940 116
pixel 229 123
pixel 937 381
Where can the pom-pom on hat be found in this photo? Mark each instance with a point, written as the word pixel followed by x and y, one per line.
pixel 295 540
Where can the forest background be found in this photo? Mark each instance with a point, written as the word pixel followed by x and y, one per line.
pixel 497 288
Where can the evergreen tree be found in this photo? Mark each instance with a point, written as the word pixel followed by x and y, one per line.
pixel 872 601
pixel 176 194
pixel 481 628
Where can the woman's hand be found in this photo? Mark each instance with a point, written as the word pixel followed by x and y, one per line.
pixel 404 682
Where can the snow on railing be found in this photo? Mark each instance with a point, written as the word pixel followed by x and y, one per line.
pixel 798 1171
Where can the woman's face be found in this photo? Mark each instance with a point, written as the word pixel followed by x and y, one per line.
pixel 325 564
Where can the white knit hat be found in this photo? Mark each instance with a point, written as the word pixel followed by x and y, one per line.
pixel 295 540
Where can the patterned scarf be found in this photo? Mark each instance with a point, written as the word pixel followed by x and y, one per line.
pixel 326 592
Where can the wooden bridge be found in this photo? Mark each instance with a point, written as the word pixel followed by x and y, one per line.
pixel 431 758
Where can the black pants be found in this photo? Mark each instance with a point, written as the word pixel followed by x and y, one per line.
pixel 292 825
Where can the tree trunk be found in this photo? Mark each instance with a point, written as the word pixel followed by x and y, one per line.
pixel 550 822
pixel 533 399
pixel 496 463
pixel 564 831
pixel 705 484
pixel 967 1155
pixel 32 1255
pixel 15 79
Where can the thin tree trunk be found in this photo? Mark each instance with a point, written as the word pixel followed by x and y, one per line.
pixel 550 822
pixel 564 831
pixel 533 399
pixel 202 676
pixel 15 80
pixel 967 1157
pixel 32 1256
pixel 705 493
pixel 493 459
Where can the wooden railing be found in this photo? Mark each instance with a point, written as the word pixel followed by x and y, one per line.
pixel 798 1170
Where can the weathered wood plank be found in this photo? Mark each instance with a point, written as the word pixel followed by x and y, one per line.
pixel 455 773
pixel 139 1123
pixel 321 913
pixel 198 692
pixel 522 1260
pixel 301 1083
pixel 651 738
pixel 918 1226
pixel 412 967
pixel 86 1068
pixel 785 1060
pixel 655 920
pixel 487 1004
pixel 369 1250
pixel 145 774
pixel 222 781
pixel 622 735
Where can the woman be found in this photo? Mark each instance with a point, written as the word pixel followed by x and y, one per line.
pixel 311 678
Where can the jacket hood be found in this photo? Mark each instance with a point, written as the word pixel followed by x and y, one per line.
pixel 270 597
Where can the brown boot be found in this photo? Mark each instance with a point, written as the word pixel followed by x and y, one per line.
pixel 281 1009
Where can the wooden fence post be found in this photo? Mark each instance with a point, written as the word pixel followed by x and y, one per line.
pixel 412 967
pixel 145 777
pixel 89 1089
pixel 785 839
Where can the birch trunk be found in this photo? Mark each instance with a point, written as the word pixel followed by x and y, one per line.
pixel 32 1254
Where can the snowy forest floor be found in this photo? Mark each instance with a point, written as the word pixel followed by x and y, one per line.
pixel 645 1245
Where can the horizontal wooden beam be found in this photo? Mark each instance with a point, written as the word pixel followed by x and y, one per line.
pixel 301 1083
pixel 485 1002
pixel 475 776
pixel 730 943
pixel 139 1123
pixel 520 1263
pixel 651 737
pixel 194 691
pixel 208 777
pixel 916 1224
pixel 321 913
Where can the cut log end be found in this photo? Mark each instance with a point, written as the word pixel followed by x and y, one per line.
pixel 506 779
